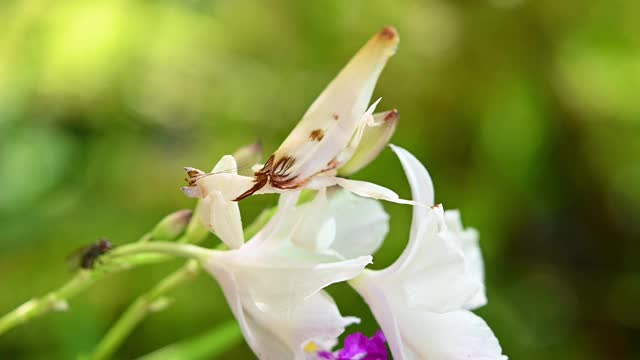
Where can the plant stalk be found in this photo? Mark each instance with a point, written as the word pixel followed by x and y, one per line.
pixel 141 307
pixel 57 299
pixel 210 345
pixel 161 247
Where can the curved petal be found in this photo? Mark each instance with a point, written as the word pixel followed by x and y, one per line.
pixel 450 336
pixel 456 239
pixel 467 239
pixel 421 185
pixel 232 292
pixel 315 228
pixel 283 335
pixel 289 276
pixel 431 272
pixel 278 283
pixel 361 224
pixel 280 270
pixel 344 224
pixel 420 300
pixel 320 321
pixel 377 297
pixel 274 232
pixel 275 333
pixel 419 334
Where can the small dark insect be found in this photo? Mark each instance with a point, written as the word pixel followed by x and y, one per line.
pixel 87 257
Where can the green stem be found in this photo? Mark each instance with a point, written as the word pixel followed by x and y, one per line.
pixel 161 247
pixel 140 308
pixel 56 300
pixel 210 345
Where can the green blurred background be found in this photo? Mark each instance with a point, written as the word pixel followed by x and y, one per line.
pixel 526 113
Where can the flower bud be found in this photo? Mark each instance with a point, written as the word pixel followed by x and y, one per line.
pixel 247 156
pixel 160 304
pixel 196 231
pixel 172 225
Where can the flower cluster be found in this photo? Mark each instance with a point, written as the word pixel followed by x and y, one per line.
pixel 274 282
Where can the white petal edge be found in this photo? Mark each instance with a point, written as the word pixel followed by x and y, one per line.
pixel 468 242
pixel 430 273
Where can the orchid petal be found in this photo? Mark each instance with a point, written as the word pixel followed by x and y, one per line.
pixel 418 334
pixel 289 275
pixel 316 228
pixel 384 311
pixel 420 301
pixel 421 185
pixel 454 335
pixel 273 332
pixel 361 224
pixel 433 263
pixel 327 127
pixel 468 241
pixel 275 286
pixel 436 279
pixel 372 142
pixel 431 272
pixel 349 225
pixel 282 335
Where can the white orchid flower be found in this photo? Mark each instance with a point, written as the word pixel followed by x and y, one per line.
pixel 339 130
pixel 274 282
pixel 421 300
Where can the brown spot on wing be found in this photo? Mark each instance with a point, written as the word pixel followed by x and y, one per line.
pixel 335 116
pixel 388 32
pixel 392 115
pixel 316 135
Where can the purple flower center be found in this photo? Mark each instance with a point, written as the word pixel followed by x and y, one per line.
pixel 359 347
